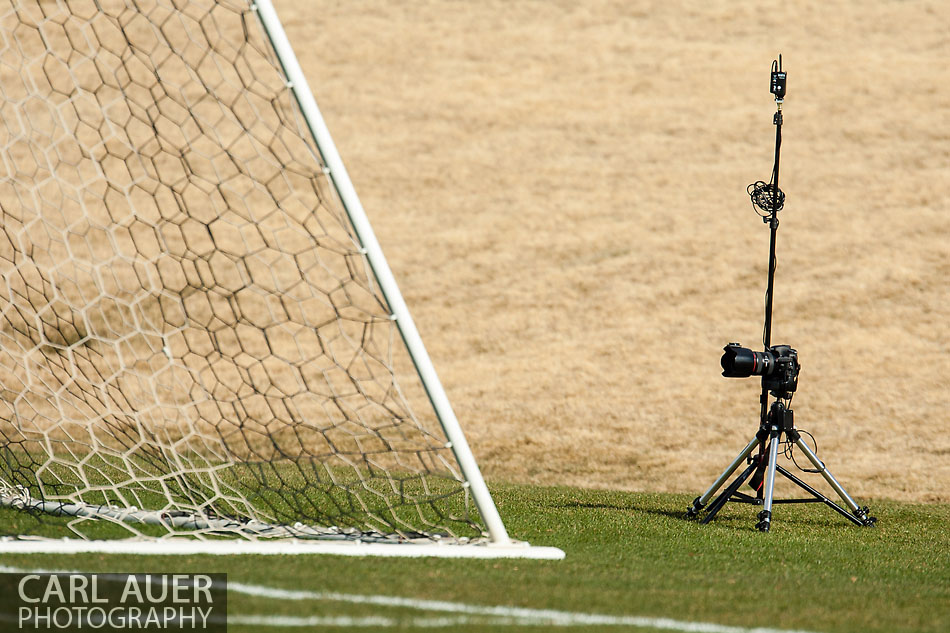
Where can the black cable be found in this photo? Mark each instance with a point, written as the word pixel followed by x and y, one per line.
pixel 790 454
pixel 764 197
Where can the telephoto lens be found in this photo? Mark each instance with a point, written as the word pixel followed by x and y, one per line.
pixel 742 362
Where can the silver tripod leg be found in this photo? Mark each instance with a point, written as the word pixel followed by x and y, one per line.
pixel 829 477
pixel 765 516
pixel 700 502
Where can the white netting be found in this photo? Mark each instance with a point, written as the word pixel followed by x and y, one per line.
pixel 187 323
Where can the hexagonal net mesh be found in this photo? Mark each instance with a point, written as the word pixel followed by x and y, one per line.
pixel 191 340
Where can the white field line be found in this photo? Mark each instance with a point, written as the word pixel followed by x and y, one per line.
pixel 366 621
pixel 522 616
pixel 525 615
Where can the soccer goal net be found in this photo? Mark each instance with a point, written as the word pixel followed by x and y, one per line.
pixel 199 335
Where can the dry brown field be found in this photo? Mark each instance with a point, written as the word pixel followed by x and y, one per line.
pixel 560 190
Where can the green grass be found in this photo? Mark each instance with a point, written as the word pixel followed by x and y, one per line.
pixel 631 555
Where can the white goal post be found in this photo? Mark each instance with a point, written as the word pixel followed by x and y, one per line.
pixel 381 270
pixel 200 336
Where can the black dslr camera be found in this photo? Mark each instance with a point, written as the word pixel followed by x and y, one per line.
pixel 778 366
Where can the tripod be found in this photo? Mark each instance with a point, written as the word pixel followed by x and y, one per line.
pixel 779 368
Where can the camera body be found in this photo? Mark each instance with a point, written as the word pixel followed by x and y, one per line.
pixel 778 366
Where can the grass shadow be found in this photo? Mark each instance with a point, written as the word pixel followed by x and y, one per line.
pixel 634 506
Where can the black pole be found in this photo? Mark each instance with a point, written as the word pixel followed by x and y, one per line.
pixel 773 226
pixel 773 231
pixel 777 88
